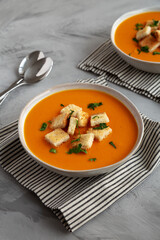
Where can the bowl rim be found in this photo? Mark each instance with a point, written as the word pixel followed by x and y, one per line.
pixel 50 92
pixel 124 17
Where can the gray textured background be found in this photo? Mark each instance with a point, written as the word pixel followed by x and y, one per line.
pixel 67 31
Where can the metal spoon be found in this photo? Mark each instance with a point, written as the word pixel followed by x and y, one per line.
pixel 31 74
pixel 25 63
pixel 29 60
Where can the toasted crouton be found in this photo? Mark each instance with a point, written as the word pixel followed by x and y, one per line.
pixel 99 118
pixel 60 121
pixel 85 139
pixel 71 107
pixel 143 33
pixel 152 25
pixel 101 133
pixel 57 137
pixel 149 22
pixel 157 35
pixel 82 118
pixel 151 42
pixel 72 125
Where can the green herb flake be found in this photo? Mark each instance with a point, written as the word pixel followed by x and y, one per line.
pixel 71 112
pixel 94 105
pixel 43 127
pixel 75 140
pixel 95 117
pixel 156 53
pixel 78 128
pixel 138 26
pixel 101 126
pixel 134 39
pixel 155 23
pixel 145 49
pixel 139 51
pixel 49 121
pixel 61 105
pixel 129 54
pixel 53 150
pixel 76 149
pixel 112 144
pixel 92 159
pixel 77 124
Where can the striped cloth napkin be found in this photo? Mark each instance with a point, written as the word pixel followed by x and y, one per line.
pixel 105 61
pixel 77 200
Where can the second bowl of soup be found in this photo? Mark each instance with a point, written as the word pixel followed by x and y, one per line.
pixel 136 38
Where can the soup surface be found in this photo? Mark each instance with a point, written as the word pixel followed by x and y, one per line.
pixel 124 130
pixel 126 32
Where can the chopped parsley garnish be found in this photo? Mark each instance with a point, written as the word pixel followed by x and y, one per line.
pixel 78 128
pixel 134 39
pixel 49 121
pixel 43 127
pixel 75 140
pixel 53 150
pixel 95 117
pixel 101 126
pixel 94 105
pixel 112 144
pixel 138 26
pixel 77 124
pixel 76 149
pixel 70 114
pixel 139 51
pixel 156 53
pixel 145 49
pixel 92 159
pixel 155 23
pixel 129 54
pixel 61 105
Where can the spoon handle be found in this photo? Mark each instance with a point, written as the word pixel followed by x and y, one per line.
pixel 5 93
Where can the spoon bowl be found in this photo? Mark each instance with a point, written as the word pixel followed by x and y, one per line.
pixel 38 71
pixel 29 60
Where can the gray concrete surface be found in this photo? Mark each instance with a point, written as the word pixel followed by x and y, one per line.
pixel 67 31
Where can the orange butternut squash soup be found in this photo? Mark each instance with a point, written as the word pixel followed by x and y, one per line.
pixel 101 130
pixel 139 36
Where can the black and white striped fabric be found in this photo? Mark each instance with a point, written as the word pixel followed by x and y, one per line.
pixel 77 200
pixel 105 61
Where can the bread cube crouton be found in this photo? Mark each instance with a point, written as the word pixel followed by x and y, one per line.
pixel 101 133
pixel 151 42
pixel 143 33
pixel 152 24
pixel 60 121
pixel 72 125
pixel 86 140
pixel 82 118
pixel 71 107
pixel 98 118
pixel 57 137
pixel 157 35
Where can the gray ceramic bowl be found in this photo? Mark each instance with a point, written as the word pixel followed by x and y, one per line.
pixel 147 66
pixel 81 173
